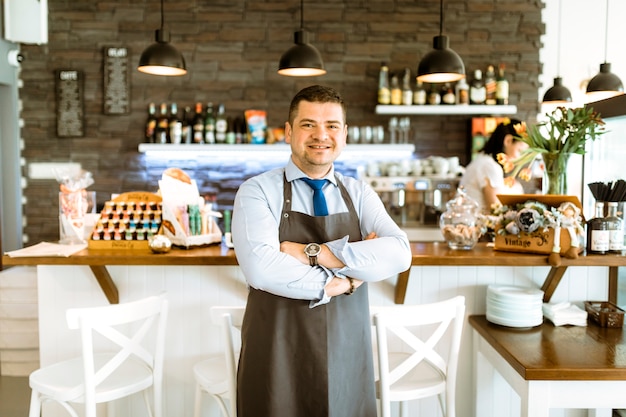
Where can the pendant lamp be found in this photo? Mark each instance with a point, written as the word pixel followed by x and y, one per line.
pixel 161 58
pixel 605 84
pixel 442 64
pixel 302 59
pixel 558 93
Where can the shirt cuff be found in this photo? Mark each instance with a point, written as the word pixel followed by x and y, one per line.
pixel 325 298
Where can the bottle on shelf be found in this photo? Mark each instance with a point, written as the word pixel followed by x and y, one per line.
pixel 407 92
pixel 502 87
pixel 151 124
pixel 419 95
pixel 396 91
pixel 384 92
pixel 187 121
pixel 198 124
pixel 477 92
pixel 221 125
pixel 447 95
pixel 175 125
pixel 598 232
pixel 490 86
pixel 209 124
pixel 615 227
pixel 434 96
pixel 162 126
pixel 462 92
pixel 240 127
pixel 230 131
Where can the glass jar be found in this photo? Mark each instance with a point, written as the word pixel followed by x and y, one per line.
pixel 460 222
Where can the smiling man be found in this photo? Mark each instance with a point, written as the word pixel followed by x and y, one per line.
pixel 307 251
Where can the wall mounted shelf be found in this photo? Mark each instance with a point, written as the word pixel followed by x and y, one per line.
pixel 442 110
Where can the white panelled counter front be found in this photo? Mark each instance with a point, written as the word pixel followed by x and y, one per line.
pixel 197 279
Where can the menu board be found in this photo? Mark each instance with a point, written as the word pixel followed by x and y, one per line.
pixel 70 103
pixel 116 81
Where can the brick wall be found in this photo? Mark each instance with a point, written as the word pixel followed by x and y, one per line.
pixel 232 48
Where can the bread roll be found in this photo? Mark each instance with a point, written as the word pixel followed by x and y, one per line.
pixel 178 174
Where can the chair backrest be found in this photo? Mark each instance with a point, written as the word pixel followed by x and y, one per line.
pixel 419 329
pixel 129 330
pixel 230 319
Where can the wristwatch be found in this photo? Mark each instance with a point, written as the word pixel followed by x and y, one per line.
pixel 312 250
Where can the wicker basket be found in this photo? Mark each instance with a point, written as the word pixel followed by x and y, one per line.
pixel 605 313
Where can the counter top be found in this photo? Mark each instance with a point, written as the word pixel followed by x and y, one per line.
pixel 424 254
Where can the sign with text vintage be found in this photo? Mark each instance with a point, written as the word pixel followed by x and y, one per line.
pixel 70 103
pixel 116 81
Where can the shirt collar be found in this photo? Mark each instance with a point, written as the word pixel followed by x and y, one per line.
pixel 292 173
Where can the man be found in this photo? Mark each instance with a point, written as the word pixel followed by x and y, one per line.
pixel 306 344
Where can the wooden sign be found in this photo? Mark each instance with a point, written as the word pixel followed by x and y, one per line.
pixel 70 103
pixel 116 81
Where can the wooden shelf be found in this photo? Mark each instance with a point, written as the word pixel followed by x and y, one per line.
pixel 443 110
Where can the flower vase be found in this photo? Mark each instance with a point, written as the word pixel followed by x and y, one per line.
pixel 555 173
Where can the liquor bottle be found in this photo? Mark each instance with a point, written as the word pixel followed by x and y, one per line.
pixel 384 93
pixel 419 95
pixel 396 91
pixel 198 125
pixel 151 123
pixel 477 92
pixel 231 137
pixel 240 127
pixel 209 124
pixel 447 96
pixel 175 125
pixel 597 232
pixel 187 126
pixel 162 126
pixel 462 92
pixel 407 92
pixel 434 97
pixel 502 87
pixel 221 125
pixel 615 226
pixel 490 85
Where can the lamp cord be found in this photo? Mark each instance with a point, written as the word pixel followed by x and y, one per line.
pixel 606 32
pixel 302 14
pixel 558 47
pixel 162 18
pixel 441 17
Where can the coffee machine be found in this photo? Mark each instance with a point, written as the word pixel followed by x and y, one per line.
pixel 415 201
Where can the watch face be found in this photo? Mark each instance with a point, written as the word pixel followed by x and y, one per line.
pixel 312 249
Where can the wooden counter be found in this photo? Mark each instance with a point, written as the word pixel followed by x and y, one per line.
pixel 424 254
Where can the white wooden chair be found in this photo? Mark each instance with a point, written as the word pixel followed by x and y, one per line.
pixel 217 375
pixel 133 334
pixel 407 344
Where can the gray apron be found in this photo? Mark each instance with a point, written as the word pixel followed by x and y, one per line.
pixel 298 361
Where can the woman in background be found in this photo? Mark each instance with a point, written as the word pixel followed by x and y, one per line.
pixel 484 177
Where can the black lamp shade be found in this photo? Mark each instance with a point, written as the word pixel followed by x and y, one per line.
pixel 558 93
pixel 302 59
pixel 161 58
pixel 442 64
pixel 604 85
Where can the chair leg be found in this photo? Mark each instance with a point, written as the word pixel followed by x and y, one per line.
pixel 35 405
pixel 197 401
pixel 404 409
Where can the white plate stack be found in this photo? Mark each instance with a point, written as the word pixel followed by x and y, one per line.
pixel 514 306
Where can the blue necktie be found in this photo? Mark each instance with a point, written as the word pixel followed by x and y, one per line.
pixel 319 201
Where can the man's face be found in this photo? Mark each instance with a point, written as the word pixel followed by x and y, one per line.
pixel 317 137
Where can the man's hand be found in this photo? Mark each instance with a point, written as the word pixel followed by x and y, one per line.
pixel 338 286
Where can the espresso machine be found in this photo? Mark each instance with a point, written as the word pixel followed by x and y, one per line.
pixel 415 200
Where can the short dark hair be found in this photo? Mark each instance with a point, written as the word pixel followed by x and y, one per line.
pixel 316 94
pixel 495 144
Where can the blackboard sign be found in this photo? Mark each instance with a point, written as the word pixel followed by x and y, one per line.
pixel 70 103
pixel 116 81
